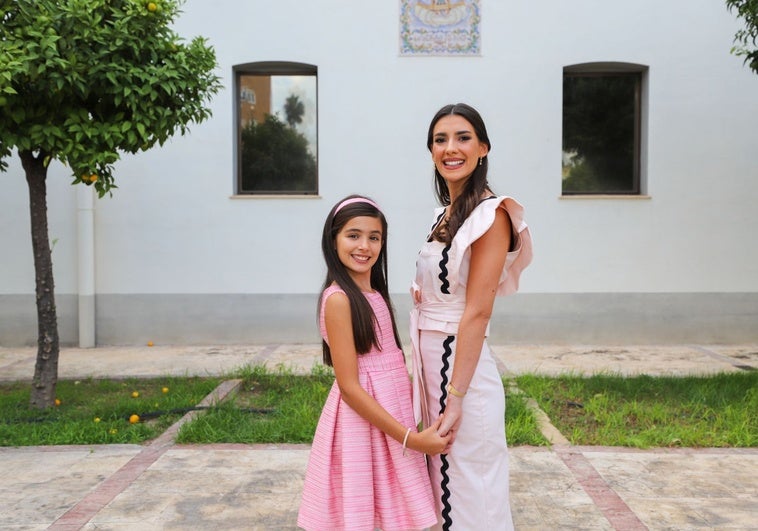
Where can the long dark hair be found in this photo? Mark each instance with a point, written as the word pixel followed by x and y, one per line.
pixel 361 313
pixel 476 184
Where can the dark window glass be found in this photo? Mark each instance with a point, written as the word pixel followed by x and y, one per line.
pixel 601 133
pixel 277 145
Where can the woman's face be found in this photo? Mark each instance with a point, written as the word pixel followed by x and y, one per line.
pixel 456 148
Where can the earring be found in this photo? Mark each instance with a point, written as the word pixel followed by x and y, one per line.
pixel 480 161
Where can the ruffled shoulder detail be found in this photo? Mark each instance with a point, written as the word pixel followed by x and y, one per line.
pixel 478 222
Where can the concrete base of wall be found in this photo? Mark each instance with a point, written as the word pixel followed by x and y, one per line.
pixel 584 318
pixel 18 320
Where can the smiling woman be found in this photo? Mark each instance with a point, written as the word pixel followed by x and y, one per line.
pixel 456 150
pixel 476 250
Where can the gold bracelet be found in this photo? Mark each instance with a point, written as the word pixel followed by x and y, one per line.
pixel 405 440
pixel 455 392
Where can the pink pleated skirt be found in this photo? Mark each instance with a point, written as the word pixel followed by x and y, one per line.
pixel 357 477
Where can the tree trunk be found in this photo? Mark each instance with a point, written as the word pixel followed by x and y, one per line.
pixel 48 348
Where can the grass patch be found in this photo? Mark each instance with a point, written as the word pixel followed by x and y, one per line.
pixel 520 423
pixel 278 406
pixel 98 411
pixel 271 407
pixel 289 407
pixel 643 411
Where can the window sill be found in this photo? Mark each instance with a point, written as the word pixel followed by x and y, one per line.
pixel 275 196
pixel 605 196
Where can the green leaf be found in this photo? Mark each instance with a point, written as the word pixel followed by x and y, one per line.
pixel 92 78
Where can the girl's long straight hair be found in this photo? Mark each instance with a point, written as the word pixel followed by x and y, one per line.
pixel 362 315
pixel 476 184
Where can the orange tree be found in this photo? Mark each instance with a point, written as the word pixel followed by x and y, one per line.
pixel 81 82
pixel 746 39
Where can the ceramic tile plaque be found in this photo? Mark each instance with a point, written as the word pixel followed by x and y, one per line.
pixel 440 27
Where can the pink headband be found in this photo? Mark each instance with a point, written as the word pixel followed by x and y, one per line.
pixel 356 200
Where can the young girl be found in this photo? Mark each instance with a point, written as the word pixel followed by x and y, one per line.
pixel 367 468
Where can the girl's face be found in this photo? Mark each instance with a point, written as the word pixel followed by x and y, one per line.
pixel 456 148
pixel 359 244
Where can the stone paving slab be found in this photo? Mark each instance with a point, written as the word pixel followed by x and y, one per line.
pixel 741 355
pixel 213 487
pixel 677 360
pixel 544 492
pixel 684 488
pixel 167 486
pixel 39 484
pixel 236 486
pixel 143 361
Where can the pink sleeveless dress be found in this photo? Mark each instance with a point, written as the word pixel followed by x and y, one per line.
pixel 357 477
pixel 471 482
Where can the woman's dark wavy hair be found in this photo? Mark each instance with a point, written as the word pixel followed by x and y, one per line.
pixel 360 310
pixel 476 184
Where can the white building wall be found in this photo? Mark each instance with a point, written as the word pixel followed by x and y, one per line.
pixel 178 258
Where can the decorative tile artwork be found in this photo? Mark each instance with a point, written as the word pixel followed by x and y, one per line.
pixel 440 27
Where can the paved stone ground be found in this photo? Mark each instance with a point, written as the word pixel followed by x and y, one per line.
pixel 163 485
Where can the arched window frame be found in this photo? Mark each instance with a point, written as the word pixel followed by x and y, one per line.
pixel 271 69
pixel 637 184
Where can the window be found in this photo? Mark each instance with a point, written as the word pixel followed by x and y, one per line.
pixel 602 128
pixel 276 128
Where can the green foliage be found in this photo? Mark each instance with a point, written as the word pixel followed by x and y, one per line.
pixel 746 40
pixel 83 81
pixel 98 411
pixel 294 109
pixel 644 411
pixel 599 133
pixel 292 405
pixel 275 406
pixel 288 406
pixel 521 427
pixel 275 155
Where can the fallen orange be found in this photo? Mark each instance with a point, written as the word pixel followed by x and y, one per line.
pixel 134 419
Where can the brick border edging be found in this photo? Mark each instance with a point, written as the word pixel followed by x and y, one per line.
pixel 104 493
pixel 607 500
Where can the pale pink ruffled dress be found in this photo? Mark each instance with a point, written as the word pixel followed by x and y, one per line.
pixel 357 477
pixel 471 482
